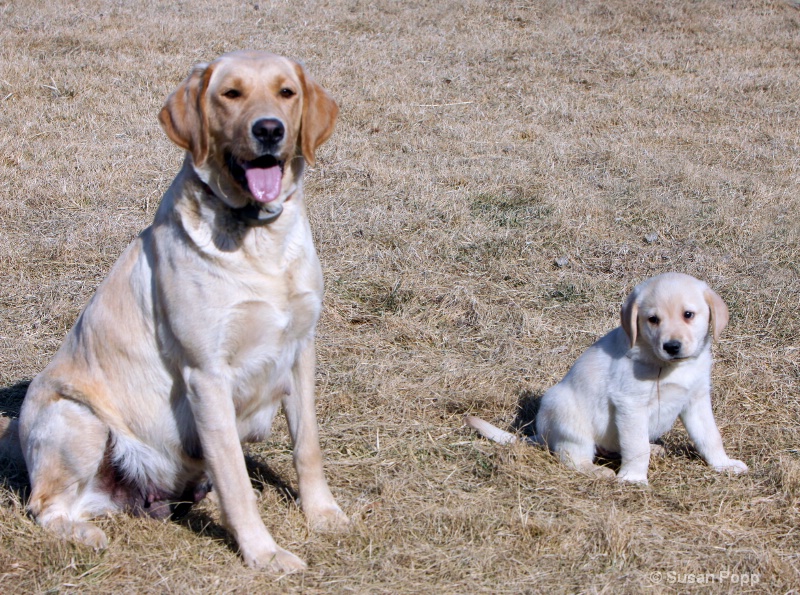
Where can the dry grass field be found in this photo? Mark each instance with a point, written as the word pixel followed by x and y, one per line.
pixel 502 174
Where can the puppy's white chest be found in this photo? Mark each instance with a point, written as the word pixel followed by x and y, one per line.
pixel 667 400
pixel 666 393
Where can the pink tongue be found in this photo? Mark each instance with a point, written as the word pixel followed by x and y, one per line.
pixel 264 184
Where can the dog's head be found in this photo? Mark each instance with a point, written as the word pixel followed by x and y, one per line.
pixel 249 120
pixel 670 314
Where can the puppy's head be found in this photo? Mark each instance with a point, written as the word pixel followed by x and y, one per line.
pixel 249 120
pixel 669 315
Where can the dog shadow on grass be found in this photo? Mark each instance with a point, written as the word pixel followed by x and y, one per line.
pixel 14 476
pixel 527 409
pixel 11 398
pixel 201 521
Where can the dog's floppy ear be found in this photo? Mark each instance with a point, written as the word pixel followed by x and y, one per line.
pixel 319 115
pixel 629 316
pixel 719 311
pixel 184 117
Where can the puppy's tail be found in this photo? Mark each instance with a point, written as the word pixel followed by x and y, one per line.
pixel 10 447
pixel 494 433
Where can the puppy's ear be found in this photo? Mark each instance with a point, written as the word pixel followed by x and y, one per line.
pixel 184 117
pixel 629 316
pixel 319 116
pixel 719 312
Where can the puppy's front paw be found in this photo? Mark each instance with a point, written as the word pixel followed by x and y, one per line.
pixel 279 561
pixel 330 519
pixel 732 466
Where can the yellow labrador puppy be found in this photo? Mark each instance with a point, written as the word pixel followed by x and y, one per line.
pixel 202 330
pixel 628 388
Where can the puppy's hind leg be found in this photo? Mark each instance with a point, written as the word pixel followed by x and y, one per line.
pixel 64 444
pixel 580 456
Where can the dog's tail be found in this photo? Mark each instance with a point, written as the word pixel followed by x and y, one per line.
pixel 10 447
pixel 494 433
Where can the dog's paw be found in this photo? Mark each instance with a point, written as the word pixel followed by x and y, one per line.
pixel 732 466
pixel 635 478
pixel 602 472
pixel 78 531
pixel 90 535
pixel 279 561
pixel 328 520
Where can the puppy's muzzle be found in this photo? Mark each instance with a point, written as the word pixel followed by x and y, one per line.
pixel 672 348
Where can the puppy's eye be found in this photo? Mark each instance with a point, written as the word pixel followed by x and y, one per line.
pixel 654 320
pixel 688 315
pixel 232 94
pixel 286 92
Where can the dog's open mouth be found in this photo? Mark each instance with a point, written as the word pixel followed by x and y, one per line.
pixel 261 177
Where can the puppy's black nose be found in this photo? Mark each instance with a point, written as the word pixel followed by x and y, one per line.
pixel 672 347
pixel 268 131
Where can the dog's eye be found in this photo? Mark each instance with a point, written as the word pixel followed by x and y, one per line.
pixel 232 94
pixel 654 320
pixel 286 92
pixel 688 315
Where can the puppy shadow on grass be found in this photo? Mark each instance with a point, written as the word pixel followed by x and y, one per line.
pixel 527 410
pixel 14 476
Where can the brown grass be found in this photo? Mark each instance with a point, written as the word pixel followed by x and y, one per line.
pixel 480 143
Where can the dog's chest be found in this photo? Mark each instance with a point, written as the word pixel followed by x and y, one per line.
pixel 245 312
pixel 270 327
pixel 668 397
pixel 677 385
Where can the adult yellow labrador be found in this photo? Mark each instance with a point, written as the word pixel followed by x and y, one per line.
pixel 203 329
pixel 627 389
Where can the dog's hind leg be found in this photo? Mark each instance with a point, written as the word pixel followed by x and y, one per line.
pixel 580 456
pixel 64 445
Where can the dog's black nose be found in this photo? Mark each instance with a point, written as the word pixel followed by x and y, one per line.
pixel 268 131
pixel 672 347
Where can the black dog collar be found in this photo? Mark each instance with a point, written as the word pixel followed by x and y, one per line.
pixel 255 216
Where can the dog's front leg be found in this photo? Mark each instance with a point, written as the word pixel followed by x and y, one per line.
pixel 632 427
pixel 316 500
pixel 698 419
pixel 215 417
